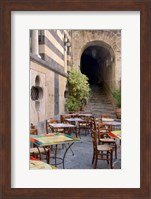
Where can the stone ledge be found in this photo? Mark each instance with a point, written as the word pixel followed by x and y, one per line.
pixel 34 58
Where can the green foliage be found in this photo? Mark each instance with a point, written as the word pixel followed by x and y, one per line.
pixel 72 104
pixel 117 97
pixel 79 89
pixel 78 85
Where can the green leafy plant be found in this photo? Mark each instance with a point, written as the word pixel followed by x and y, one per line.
pixel 79 89
pixel 117 96
pixel 72 104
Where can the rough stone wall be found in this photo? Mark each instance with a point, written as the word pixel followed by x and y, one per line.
pixel 110 40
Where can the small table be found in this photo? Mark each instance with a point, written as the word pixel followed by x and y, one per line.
pixel 62 126
pixel 37 164
pixel 113 123
pixel 76 120
pixel 54 139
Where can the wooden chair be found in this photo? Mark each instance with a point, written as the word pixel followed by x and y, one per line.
pixel 36 151
pixel 94 121
pixel 106 115
pixel 101 152
pixel 63 117
pixel 103 130
pixel 32 126
pixel 33 130
pixel 48 127
pixel 70 130
pixel 103 138
pixel 85 124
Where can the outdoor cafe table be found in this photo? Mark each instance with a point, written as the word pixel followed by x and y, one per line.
pixel 64 126
pixel 114 124
pixel 76 121
pixel 54 139
pixel 37 164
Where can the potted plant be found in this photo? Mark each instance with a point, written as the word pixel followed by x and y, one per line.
pixel 117 96
pixel 79 90
pixel 72 104
pixel 83 104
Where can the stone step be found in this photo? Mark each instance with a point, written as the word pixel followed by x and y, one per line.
pixel 99 103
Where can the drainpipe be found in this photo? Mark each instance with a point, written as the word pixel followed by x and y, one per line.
pixel 35 43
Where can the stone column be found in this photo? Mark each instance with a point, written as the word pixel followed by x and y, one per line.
pixel 34 43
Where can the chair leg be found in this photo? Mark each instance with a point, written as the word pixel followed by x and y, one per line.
pixel 85 131
pixel 93 157
pixel 115 151
pixel 48 156
pixel 56 149
pixel 79 133
pixel 107 155
pixel 111 159
pixel 96 160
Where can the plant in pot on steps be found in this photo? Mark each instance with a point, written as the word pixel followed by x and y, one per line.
pixel 79 90
pixel 72 104
pixel 117 96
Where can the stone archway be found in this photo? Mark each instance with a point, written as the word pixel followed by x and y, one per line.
pixel 105 43
pixel 97 63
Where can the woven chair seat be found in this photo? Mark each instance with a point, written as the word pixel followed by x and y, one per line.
pixel 103 131
pixel 104 147
pixel 41 149
pixel 107 140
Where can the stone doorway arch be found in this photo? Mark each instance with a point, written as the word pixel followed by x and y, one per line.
pixel 107 42
pixel 98 63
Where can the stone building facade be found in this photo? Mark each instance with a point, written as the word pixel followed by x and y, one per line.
pixel 50 59
pixel 97 53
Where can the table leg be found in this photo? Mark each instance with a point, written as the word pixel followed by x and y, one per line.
pixel 70 149
pixel 66 153
pixel 56 155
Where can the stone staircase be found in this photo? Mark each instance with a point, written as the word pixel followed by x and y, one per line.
pixel 99 103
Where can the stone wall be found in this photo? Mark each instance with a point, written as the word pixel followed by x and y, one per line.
pixel 108 39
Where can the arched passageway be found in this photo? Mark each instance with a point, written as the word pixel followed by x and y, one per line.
pixel 97 64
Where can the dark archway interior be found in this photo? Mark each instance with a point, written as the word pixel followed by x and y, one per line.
pixel 93 60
